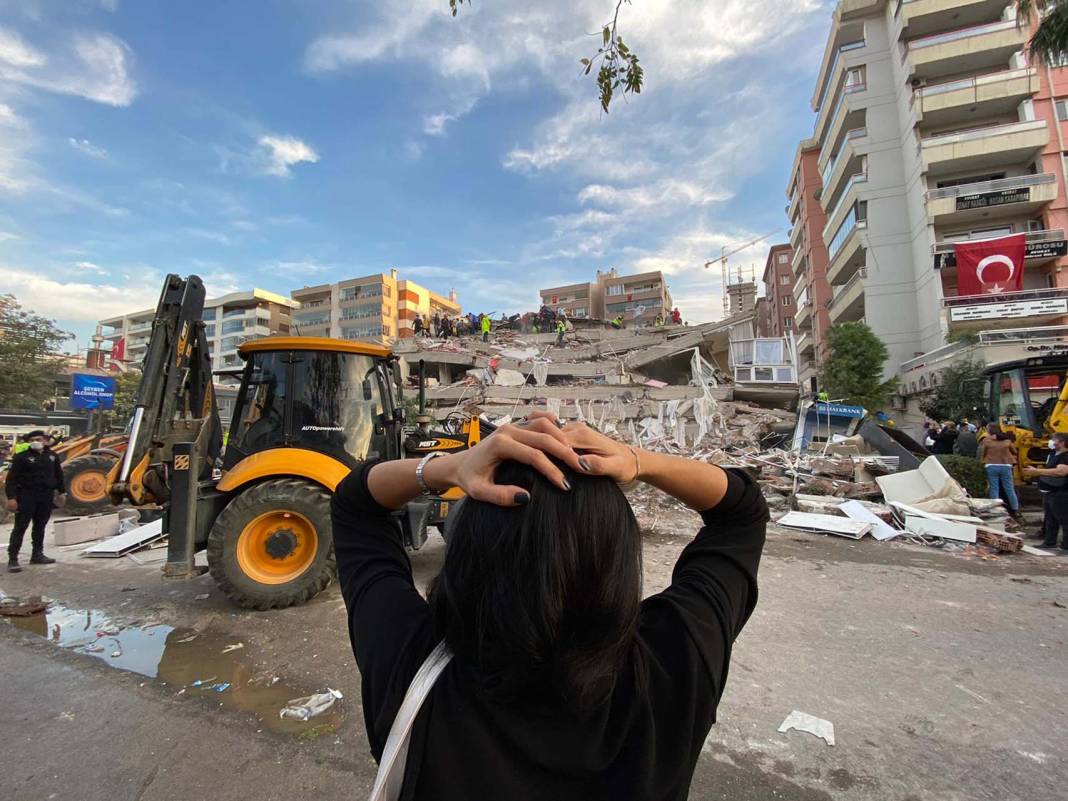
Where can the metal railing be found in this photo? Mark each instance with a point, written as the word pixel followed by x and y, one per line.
pixel 1016 182
pixel 845 48
pixel 855 133
pixel 857 178
pixel 982 132
pixel 1001 336
pixel 962 33
pixel 1050 235
pixel 838 291
pixel 973 82
pixel 1045 293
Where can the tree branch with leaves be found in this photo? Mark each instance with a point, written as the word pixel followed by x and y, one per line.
pixel 617 65
pixel 1049 43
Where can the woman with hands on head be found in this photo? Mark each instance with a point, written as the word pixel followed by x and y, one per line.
pixel 564 683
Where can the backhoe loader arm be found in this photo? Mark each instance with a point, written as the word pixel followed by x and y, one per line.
pixel 175 392
pixel 1057 422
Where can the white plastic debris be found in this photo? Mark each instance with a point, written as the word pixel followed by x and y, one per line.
pixel 309 706
pixel 809 723
pixel 509 378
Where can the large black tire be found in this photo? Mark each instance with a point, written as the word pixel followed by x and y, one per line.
pixel 304 503
pixel 87 484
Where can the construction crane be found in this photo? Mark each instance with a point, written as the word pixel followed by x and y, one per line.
pixel 725 253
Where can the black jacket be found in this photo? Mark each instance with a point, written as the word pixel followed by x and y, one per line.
pixel 34 473
pixel 642 744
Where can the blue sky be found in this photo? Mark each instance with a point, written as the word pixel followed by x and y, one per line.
pixel 282 144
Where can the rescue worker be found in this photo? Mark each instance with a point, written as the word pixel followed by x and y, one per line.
pixel 485 327
pixel 561 329
pixel 21 445
pixel 659 321
pixel 676 316
pixel 418 326
pixel 618 321
pixel 823 397
pixel 32 482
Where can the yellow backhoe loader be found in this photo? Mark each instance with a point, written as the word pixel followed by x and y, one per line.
pixel 1028 398
pixel 308 411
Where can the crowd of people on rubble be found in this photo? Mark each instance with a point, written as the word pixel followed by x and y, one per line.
pixel 544 321
pixel 996 451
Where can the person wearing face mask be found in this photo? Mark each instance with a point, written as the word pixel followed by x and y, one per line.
pixel 1053 484
pixel 31 486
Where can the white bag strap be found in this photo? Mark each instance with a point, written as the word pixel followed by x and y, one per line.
pixel 395 755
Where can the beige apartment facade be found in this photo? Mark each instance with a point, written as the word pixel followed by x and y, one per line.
pixel 374 308
pixel 932 127
pixel 639 298
pixel 229 320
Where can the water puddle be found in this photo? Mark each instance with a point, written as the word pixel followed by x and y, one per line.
pixel 184 661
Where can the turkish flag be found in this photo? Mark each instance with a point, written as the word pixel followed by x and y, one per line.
pixel 118 350
pixel 990 266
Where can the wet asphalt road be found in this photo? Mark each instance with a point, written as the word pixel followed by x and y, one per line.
pixel 943 675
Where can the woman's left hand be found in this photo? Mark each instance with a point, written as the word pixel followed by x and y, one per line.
pixel 531 442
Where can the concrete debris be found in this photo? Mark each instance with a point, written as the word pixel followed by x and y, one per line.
pixel 811 724
pixel 674 390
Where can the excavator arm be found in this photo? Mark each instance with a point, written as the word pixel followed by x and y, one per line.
pixel 175 401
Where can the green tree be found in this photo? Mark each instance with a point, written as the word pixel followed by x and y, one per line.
pixel 854 367
pixel 29 355
pixel 959 393
pixel 126 385
pixel 1049 44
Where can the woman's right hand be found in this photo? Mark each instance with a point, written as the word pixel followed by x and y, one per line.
pixel 603 455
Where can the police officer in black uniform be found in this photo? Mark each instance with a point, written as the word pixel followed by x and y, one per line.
pixel 31 486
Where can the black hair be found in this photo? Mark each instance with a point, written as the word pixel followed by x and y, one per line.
pixel 1061 436
pixel 540 602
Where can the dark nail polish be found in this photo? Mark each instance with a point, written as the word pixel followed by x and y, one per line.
pixel 567 484
pixel 584 464
pixel 522 499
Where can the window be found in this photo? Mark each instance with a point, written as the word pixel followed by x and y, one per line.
pixel 786 301
pixel 209 331
pixel 971 179
pixel 232 326
pixel 784 258
pixel 784 280
pixel 854 78
pixel 264 321
pixel 615 289
pixel 1062 110
pixel 787 323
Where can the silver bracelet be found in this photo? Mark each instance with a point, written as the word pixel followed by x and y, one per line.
pixel 419 472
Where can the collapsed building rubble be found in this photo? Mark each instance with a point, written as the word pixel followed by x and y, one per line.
pixel 708 392
pixel 705 386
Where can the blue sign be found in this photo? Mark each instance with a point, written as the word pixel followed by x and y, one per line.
pixel 92 392
pixel 839 410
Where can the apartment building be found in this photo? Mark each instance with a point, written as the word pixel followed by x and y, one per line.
pixel 778 280
pixel 639 298
pixel 931 128
pixel 375 308
pixel 228 321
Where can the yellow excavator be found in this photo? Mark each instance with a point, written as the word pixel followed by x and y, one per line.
pixel 1028 398
pixel 309 410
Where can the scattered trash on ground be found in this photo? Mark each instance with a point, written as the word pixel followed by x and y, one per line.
pixel 810 724
pixel 233 647
pixel 310 706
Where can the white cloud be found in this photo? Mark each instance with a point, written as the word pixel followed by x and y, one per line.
pixel 89 267
pixel 218 237
pixel 9 118
pixel 80 301
pixel 666 193
pixel 17 53
pixel 7 236
pixel 94 66
pixel 88 148
pixel 282 152
pixel 109 5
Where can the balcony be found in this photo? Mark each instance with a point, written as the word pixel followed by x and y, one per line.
pixel 795 236
pixel 926 17
pixel 806 344
pixel 850 114
pixel 827 111
pixel 984 148
pixel 827 79
pixel 803 316
pixel 1019 195
pixel 845 205
pixel 794 205
pixel 1042 248
pixel 847 162
pixel 979 48
pixel 847 301
pixel 849 256
pixel 1026 308
pixel 797 261
pixel 959 102
pixel 799 290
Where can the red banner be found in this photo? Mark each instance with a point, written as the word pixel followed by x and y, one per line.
pixel 990 266
pixel 118 350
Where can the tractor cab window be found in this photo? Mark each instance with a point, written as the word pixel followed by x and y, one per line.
pixel 337 404
pixel 260 420
pixel 1011 403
